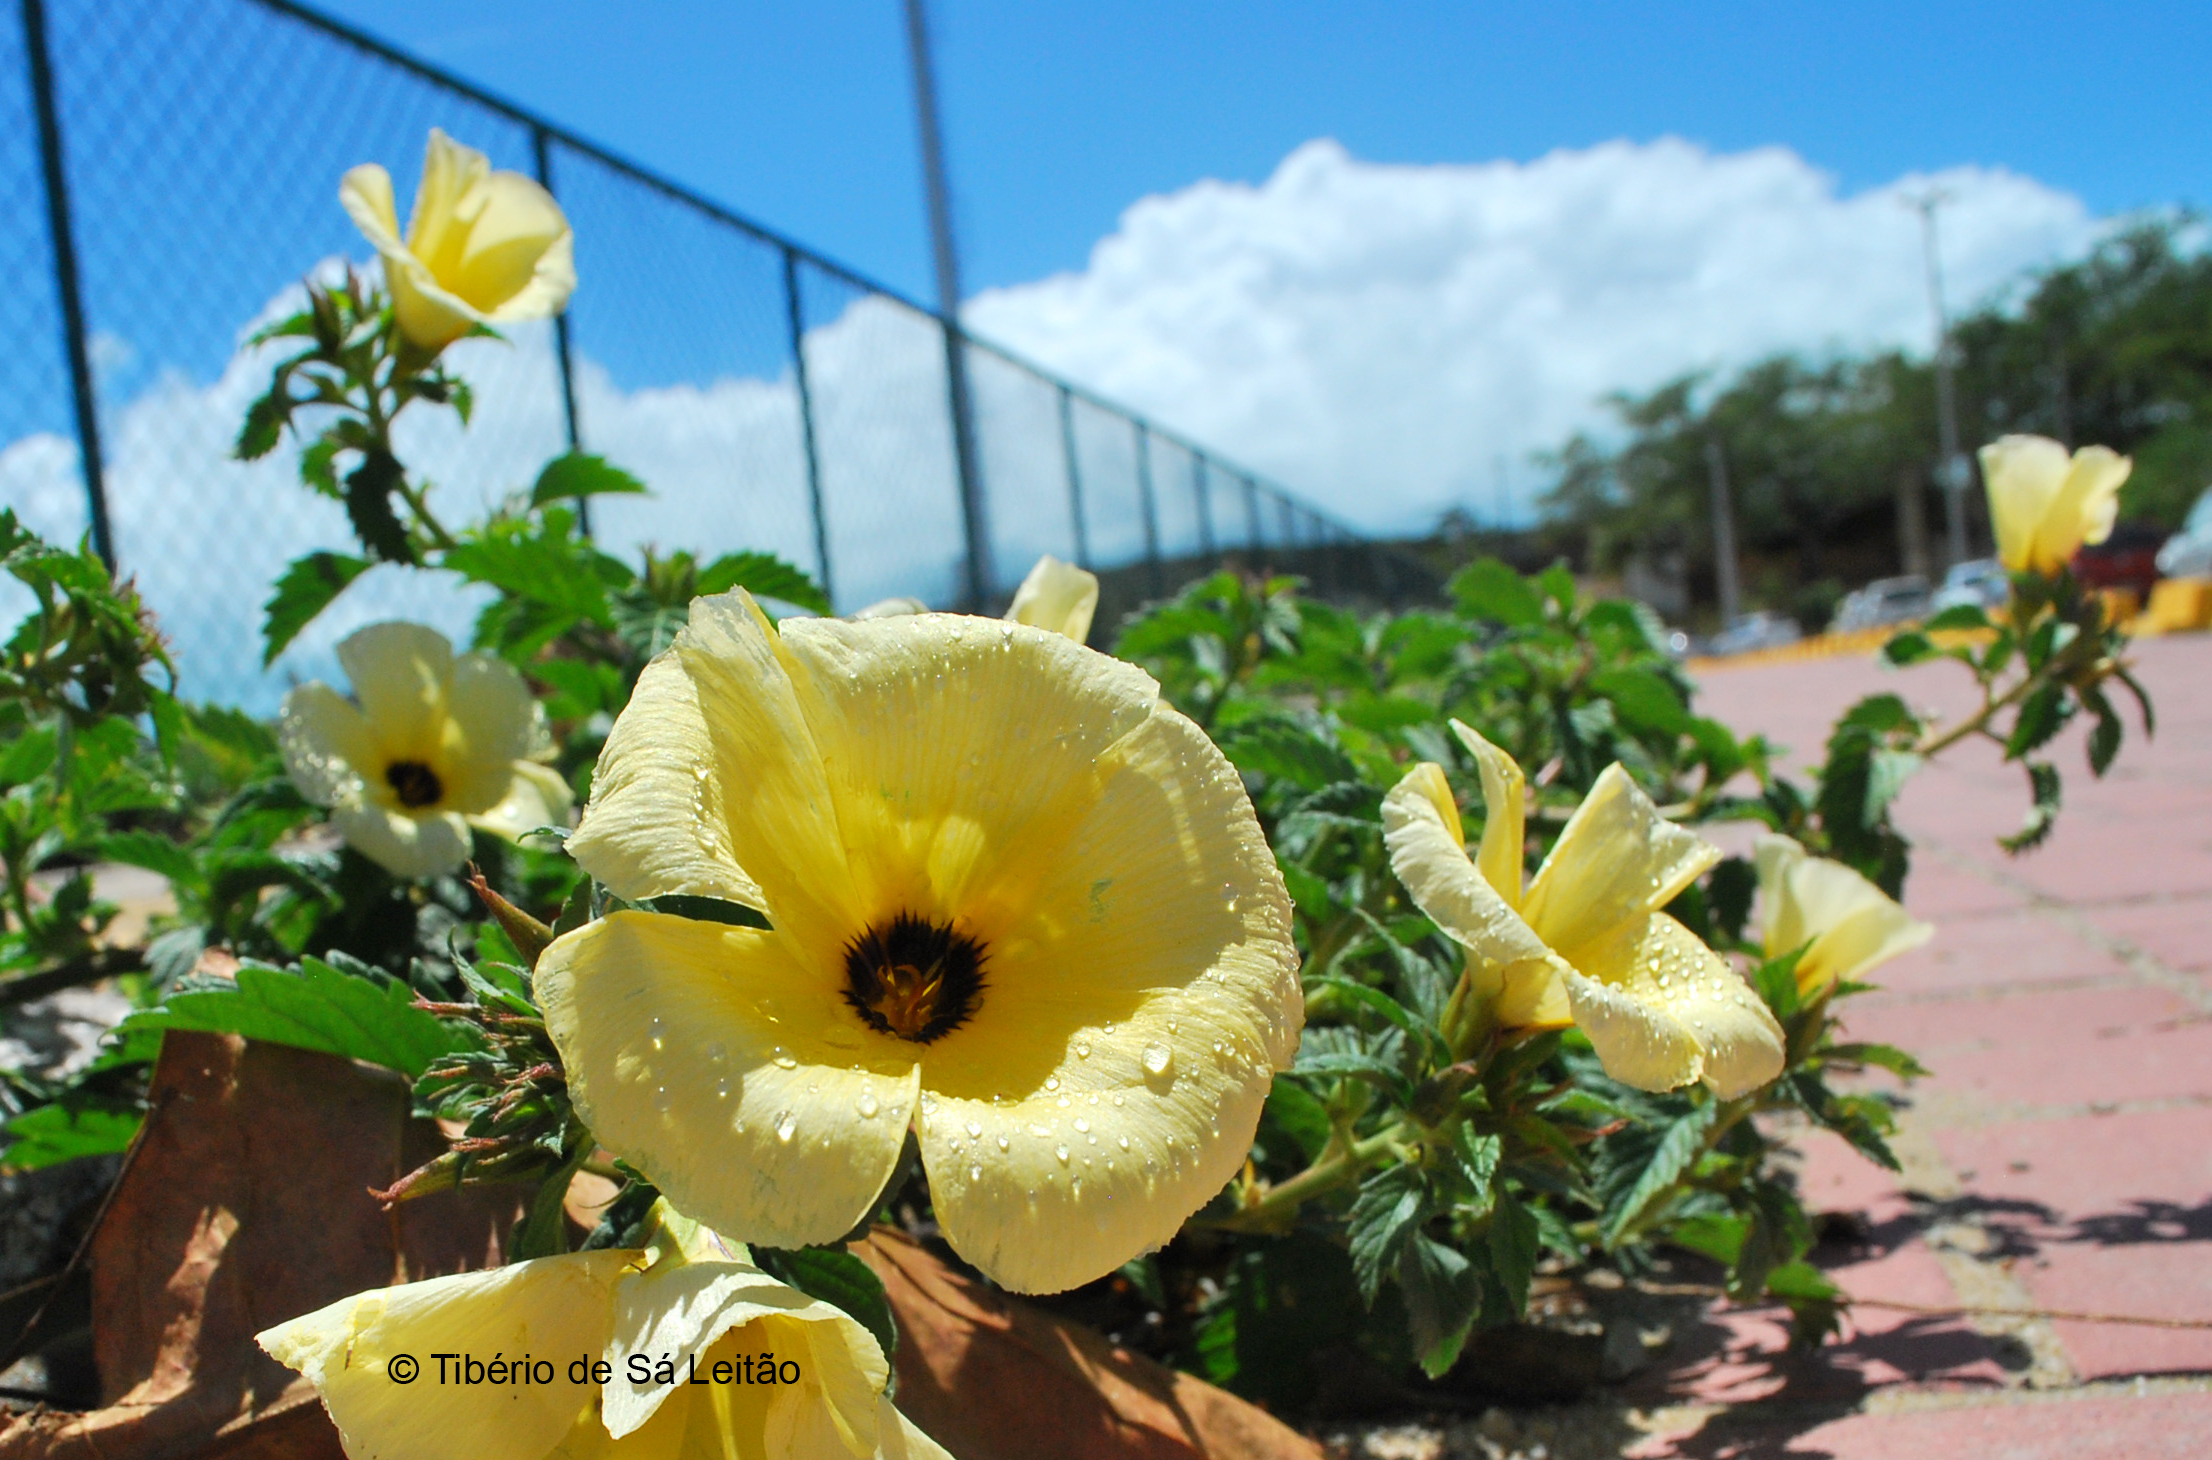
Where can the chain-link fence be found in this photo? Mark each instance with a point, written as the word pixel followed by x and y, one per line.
pixel 168 173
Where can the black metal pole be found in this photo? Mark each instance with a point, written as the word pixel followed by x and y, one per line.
pixel 1150 509
pixel 1252 534
pixel 958 399
pixel 1075 478
pixel 795 320
pixel 541 153
pixel 65 280
pixel 1205 508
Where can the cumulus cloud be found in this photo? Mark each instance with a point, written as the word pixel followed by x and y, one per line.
pixel 1379 336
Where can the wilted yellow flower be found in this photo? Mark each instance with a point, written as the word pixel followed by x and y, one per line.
pixel 482 247
pixel 1017 900
pixel 1845 924
pixel 437 743
pixel 681 1349
pixel 1057 596
pixel 1586 943
pixel 2045 504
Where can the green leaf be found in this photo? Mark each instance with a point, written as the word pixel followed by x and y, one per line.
pixel 1909 647
pixel 706 910
pixel 1376 1001
pixel 1681 1145
pixel 1390 1206
pixel 157 854
pixel 553 571
pixel 2041 715
pixel 2106 734
pixel 1284 750
pixel 1443 1295
pixel 369 489
pixel 2043 788
pixel 358 1015
pixel 839 1279
pixel 308 586
pixel 1514 1247
pixel 1354 1064
pixel 1882 1056
pixel 264 426
pixel 1303 1118
pixel 1957 616
pixel 764 575
pixel 51 1134
pixel 1643 700
pixel 578 475
pixel 1488 590
pixel 1728 894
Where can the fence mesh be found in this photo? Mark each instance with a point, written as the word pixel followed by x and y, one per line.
pixel 201 150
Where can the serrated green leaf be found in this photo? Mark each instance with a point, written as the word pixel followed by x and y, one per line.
pixel 1391 1205
pixel 764 575
pixel 1677 1149
pixel 576 475
pixel 1881 1056
pixel 1957 616
pixel 1514 1248
pixel 320 1008
pixel 706 910
pixel 1643 700
pixel 1443 1294
pixel 1488 590
pixel 1300 1116
pixel 308 585
pixel 2041 715
pixel 838 1278
pixel 368 500
pixel 66 1130
pixel 157 854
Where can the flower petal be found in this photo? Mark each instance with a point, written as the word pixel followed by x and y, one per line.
pixel 1128 1028
pixel 836 1407
pixel 491 722
pixel 552 1308
pixel 366 194
pixel 437 230
pixel 429 316
pixel 1662 1009
pixel 958 754
pixel 732 1075
pixel 898 1438
pixel 1421 830
pixel 329 749
pixel 2087 504
pixel 766 761
pixel 512 224
pixel 403 845
pixel 399 672
pixel 2023 476
pixel 1845 924
pixel 684 1309
pixel 1617 860
pixel 1504 825
pixel 657 820
pixel 536 796
pixel 1056 596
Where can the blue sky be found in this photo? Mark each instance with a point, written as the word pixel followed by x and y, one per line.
pixel 1060 116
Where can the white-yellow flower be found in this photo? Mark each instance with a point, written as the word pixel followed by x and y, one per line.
pixel 1057 596
pixel 1018 902
pixel 703 1355
pixel 437 743
pixel 2045 504
pixel 1586 942
pixel 1845 924
pixel 482 247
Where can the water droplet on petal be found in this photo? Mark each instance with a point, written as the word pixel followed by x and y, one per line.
pixel 1082 1051
pixel 655 1030
pixel 1158 1058
pixel 718 1054
pixel 1122 1141
pixel 1081 1124
pixel 787 1126
pixel 1004 1143
pixel 1052 1082
pixel 722 1087
pixel 974 1128
pixel 868 1105
pixel 975 1173
pixel 662 1100
pixel 1062 1153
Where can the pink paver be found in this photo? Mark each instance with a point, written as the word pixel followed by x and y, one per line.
pixel 2177 932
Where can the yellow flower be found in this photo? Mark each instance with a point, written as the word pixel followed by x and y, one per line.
pixel 1586 942
pixel 1845 924
pixel 681 1349
pixel 438 743
pixel 483 247
pixel 1017 900
pixel 2044 504
pixel 1056 596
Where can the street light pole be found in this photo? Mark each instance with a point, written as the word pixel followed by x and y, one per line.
pixel 1952 471
pixel 959 400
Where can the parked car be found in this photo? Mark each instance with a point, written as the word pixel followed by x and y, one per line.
pixel 1975 583
pixel 2188 553
pixel 2127 559
pixel 1760 630
pixel 1883 601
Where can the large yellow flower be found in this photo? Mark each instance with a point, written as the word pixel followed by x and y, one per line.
pixel 437 743
pixel 1845 924
pixel 2045 504
pixel 482 247
pixel 1018 902
pixel 1586 942
pixel 683 1349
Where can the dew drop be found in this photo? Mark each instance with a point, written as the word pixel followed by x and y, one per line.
pixel 974 1129
pixel 1004 1143
pixel 868 1105
pixel 656 1030
pixel 1082 1051
pixel 1062 1153
pixel 718 1054
pixel 1081 1125
pixel 1052 1082
pixel 1158 1058
pixel 787 1126
pixel 722 1088
pixel 1122 1141
pixel 975 1173
pixel 662 1100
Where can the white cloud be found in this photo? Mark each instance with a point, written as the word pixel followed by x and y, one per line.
pixel 1376 336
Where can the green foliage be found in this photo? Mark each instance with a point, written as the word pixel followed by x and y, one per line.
pixel 839 1278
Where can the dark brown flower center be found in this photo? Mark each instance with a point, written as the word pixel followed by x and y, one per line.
pixel 416 783
pixel 913 978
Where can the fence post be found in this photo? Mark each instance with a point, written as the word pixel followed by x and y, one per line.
pixel 541 153
pixel 1075 477
pixel 1252 533
pixel 65 280
pixel 795 321
pixel 1143 435
pixel 1198 480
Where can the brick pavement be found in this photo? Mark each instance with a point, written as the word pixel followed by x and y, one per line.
pixel 2059 1157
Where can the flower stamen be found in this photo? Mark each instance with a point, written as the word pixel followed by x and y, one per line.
pixel 913 979
pixel 416 784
